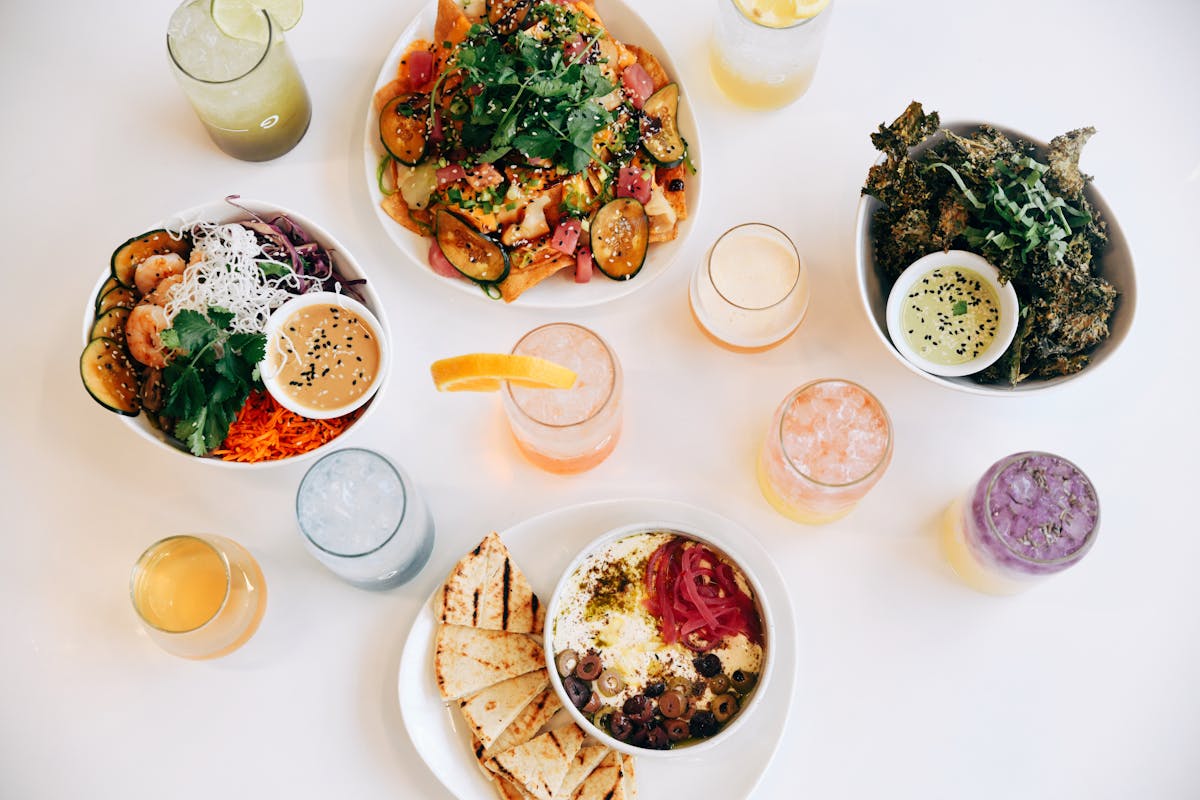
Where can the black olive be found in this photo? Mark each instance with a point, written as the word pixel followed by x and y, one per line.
pixel 589 666
pixel 620 726
pixel 655 689
pixel 676 185
pixel 703 724
pixel 656 738
pixel 639 736
pixel 639 708
pixel 677 729
pixel 578 691
pixel 708 665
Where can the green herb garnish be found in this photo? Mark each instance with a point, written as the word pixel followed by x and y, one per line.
pixel 960 308
pixel 209 380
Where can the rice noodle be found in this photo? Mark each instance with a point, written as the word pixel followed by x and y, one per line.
pixel 225 271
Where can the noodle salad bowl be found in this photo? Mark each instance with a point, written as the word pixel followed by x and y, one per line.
pixel 176 335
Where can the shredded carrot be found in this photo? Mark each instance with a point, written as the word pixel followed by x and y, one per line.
pixel 266 431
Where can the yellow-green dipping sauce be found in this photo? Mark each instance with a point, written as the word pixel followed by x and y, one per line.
pixel 950 315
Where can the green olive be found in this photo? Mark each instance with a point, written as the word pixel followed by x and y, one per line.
pixel 672 704
pixel 610 683
pixel 680 686
pixel 565 662
pixel 724 707
pixel 742 681
pixel 719 684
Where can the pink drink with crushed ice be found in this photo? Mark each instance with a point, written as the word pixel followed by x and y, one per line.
pixel 829 442
pixel 567 430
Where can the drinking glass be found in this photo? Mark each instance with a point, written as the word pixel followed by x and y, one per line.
pixel 1031 515
pixel 198 596
pixel 829 442
pixel 248 94
pixel 751 293
pixel 363 518
pixel 567 430
pixel 761 56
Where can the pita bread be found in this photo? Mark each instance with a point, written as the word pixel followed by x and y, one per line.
pixel 604 782
pixel 586 760
pixel 531 719
pixel 489 711
pixel 466 660
pixel 539 765
pixel 507 790
pixel 486 589
pixel 628 780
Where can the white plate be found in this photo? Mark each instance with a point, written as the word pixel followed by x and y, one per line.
pixel 543 547
pixel 558 291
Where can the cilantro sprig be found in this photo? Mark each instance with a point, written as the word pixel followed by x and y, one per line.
pixel 211 376
pixel 522 92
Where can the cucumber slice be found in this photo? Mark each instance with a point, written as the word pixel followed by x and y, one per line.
pixel 105 288
pixel 660 127
pixel 402 128
pixel 116 297
pixel 110 377
pixel 111 324
pixel 620 237
pixel 133 252
pixel 473 254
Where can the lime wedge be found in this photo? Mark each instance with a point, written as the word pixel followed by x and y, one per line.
pixel 242 19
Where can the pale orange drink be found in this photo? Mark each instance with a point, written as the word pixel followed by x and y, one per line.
pixel 829 442
pixel 198 596
pixel 567 430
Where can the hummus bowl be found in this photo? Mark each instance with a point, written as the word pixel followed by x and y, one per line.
pixel 657 639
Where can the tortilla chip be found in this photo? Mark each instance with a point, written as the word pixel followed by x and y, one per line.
pixel 451 26
pixel 469 659
pixel 676 197
pixel 531 720
pixel 489 711
pixel 605 781
pixel 419 221
pixel 536 263
pixel 652 65
pixel 540 765
pixel 586 760
pixel 486 589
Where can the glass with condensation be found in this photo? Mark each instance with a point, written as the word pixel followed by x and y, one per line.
pixel 828 444
pixel 567 430
pixel 1031 515
pixel 198 596
pixel 248 93
pixel 764 53
pixel 751 293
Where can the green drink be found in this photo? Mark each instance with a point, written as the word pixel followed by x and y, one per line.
pixel 247 91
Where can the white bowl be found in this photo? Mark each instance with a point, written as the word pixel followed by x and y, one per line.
pixel 1116 266
pixel 1009 311
pixel 723 547
pixel 557 291
pixel 221 211
pixel 270 379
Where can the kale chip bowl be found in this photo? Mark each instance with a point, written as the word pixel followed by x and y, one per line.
pixel 1022 204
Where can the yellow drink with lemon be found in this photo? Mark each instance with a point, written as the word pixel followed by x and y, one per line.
pixel 765 52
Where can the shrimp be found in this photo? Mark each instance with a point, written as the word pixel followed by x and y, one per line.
pixel 162 292
pixel 153 269
pixel 143 332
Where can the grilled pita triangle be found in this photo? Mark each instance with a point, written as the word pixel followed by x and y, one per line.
pixel 466 660
pixel 604 782
pixel 539 765
pixel 507 790
pixel 586 760
pixel 487 590
pixel 489 711
pixel 531 719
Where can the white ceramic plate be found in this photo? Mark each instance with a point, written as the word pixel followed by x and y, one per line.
pixel 221 211
pixel 558 291
pixel 543 547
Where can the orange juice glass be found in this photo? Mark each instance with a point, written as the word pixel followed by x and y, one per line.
pixel 567 430
pixel 829 442
pixel 198 596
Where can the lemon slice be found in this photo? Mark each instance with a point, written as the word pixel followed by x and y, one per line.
pixel 487 372
pixel 781 13
pixel 242 19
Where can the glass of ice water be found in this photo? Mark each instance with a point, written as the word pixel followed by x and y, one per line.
pixel 246 91
pixel 363 518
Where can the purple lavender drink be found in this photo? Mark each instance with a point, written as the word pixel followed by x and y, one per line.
pixel 1031 515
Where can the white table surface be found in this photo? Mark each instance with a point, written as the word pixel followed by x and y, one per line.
pixel 909 684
